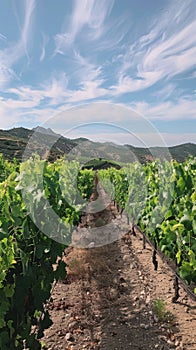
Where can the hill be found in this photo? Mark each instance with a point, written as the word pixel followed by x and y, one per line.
pixel 46 142
pixel 13 143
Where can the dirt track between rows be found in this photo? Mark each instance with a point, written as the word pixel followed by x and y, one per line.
pixel 106 301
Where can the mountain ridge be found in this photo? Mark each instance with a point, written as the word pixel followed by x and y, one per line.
pixel 13 143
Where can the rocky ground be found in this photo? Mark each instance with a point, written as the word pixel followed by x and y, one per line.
pixel 113 299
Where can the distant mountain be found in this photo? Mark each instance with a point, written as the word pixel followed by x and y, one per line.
pixel 44 131
pixel 21 133
pixel 181 152
pixel 48 144
pixel 14 142
pixel 80 139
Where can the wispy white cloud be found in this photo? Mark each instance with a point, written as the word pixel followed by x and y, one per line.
pixel 86 15
pixel 26 93
pixel 3 37
pixel 184 108
pixel 14 51
pixel 84 69
pixel 45 40
pixel 54 90
pixel 166 92
pixel 167 50
pixel 96 64
pixel 27 25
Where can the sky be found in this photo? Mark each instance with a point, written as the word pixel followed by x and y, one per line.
pixel 69 63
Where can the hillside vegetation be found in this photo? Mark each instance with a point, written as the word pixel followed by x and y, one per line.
pixel 13 143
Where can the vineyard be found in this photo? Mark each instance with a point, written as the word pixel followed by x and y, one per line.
pixel 42 203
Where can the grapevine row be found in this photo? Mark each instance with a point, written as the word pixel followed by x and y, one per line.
pixel 27 255
pixel 161 198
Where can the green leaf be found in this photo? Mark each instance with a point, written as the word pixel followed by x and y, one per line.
pixel 178 256
pixel 9 290
pixel 177 226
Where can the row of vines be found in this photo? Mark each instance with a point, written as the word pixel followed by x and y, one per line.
pixel 27 255
pixel 161 198
pixel 42 202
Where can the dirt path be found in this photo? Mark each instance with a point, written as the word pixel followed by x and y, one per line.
pixel 106 300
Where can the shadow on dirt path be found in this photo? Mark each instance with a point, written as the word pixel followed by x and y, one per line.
pixel 118 300
pixel 105 301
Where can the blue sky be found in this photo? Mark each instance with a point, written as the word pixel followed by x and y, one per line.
pixel 137 55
